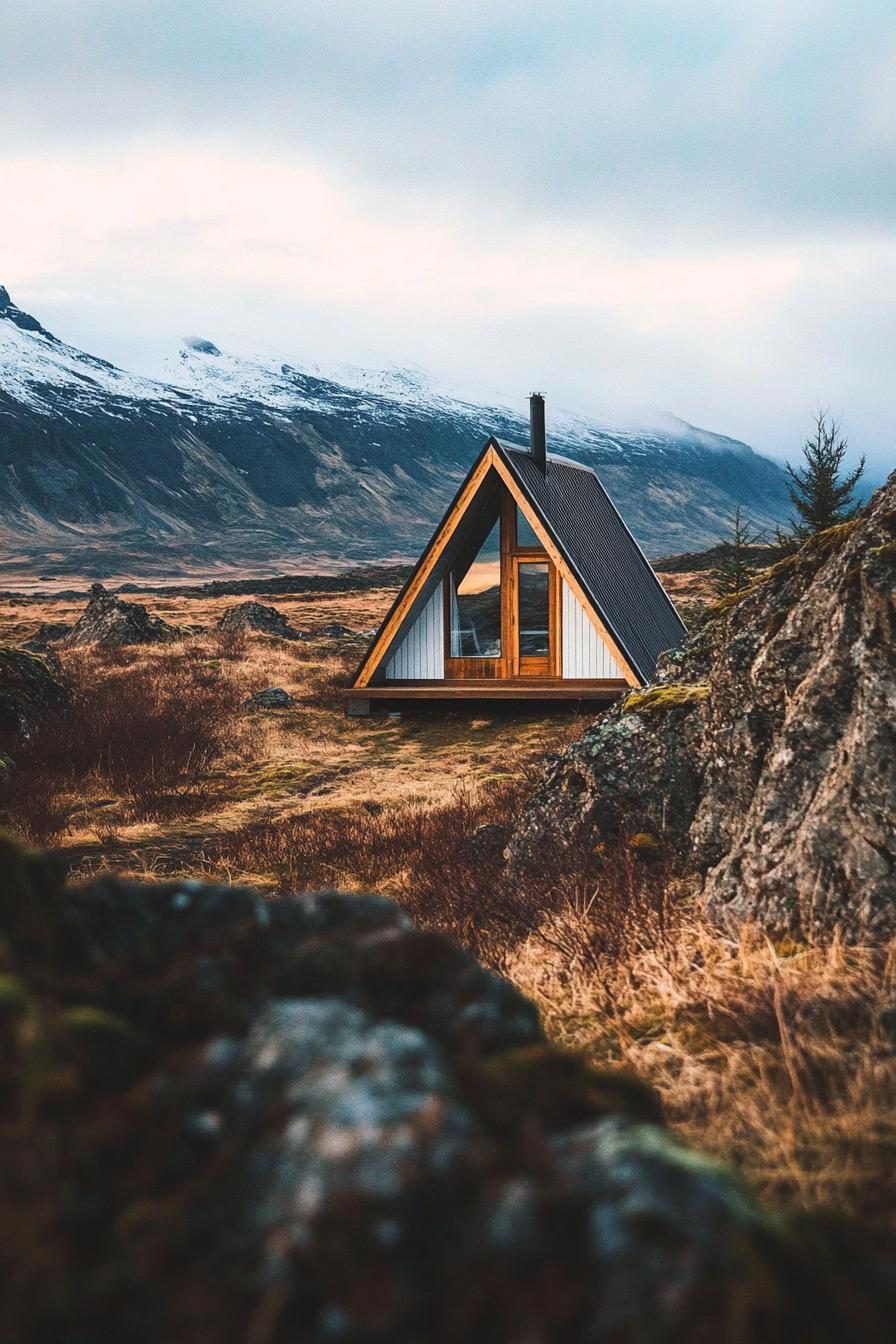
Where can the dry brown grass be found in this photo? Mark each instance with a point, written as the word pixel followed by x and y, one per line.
pixel 777 1058
pixel 147 729
pixel 780 1059
pixel 271 764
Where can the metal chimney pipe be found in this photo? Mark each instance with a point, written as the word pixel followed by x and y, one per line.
pixel 538 445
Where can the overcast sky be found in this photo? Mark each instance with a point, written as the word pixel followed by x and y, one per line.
pixel 684 205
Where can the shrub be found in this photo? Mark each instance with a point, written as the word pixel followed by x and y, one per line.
pixel 146 730
pixel 446 866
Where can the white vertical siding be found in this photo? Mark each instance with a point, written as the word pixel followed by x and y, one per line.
pixel 584 652
pixel 421 654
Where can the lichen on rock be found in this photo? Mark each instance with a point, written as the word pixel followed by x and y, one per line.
pixel 772 771
pixel 228 1119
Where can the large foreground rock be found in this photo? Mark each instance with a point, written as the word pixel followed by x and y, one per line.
pixel 767 753
pixel 109 621
pixel 225 1120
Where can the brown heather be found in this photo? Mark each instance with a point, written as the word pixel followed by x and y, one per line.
pixel 777 1058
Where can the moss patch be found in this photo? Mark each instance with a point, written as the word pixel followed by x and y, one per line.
pixel 832 537
pixel 13 997
pixel 816 547
pixel 282 780
pixel 659 699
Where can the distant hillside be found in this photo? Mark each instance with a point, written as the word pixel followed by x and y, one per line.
pixel 240 464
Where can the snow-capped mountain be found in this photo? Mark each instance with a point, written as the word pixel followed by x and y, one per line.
pixel 248 461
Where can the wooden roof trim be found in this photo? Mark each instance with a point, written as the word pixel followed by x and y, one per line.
pixel 428 561
pixel 559 559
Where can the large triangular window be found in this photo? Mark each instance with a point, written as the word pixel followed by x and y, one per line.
pixel 475 593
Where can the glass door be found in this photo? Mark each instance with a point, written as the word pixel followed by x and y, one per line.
pixel 534 617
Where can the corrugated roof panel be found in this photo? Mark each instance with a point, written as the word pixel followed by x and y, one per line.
pixel 608 562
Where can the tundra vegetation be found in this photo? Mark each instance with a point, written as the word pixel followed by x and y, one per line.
pixel 775 1055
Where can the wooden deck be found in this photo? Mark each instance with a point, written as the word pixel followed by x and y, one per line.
pixel 361 700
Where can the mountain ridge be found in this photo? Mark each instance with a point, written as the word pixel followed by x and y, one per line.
pixel 251 462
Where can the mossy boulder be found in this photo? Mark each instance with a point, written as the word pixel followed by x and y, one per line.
pixel 31 691
pixel 247 617
pixel 228 1119
pixel 45 636
pixel 109 621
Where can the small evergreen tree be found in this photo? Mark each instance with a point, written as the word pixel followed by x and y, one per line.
pixel 735 571
pixel 821 496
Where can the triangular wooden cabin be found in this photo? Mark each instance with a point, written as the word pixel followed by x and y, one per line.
pixel 532 588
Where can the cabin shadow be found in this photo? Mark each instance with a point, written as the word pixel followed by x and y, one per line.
pixel 460 709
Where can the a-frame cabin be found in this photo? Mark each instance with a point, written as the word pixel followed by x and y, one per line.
pixel 532 588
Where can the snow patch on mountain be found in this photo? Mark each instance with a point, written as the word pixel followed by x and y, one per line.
pixel 35 367
pixel 243 452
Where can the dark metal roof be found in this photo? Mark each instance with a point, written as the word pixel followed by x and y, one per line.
pixel 604 556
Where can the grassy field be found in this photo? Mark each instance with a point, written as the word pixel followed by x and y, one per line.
pixel 207 766
pixel 779 1058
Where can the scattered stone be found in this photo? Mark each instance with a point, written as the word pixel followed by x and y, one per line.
pixel 31 689
pixel 335 631
pixel 488 841
pixel 766 752
pixel 256 616
pixel 109 621
pixel 272 698
pixel 232 1119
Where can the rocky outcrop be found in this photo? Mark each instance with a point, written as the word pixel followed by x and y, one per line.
pixel 109 621
pixel 766 753
pixel 251 616
pixel 229 1120
pixel 30 691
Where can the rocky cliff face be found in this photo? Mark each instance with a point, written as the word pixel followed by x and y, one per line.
pixel 766 754
pixel 223 1120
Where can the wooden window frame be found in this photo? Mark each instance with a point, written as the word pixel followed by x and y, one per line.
pixel 531 665
pixel 510 665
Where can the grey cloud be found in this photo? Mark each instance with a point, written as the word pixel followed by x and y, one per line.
pixel 653 124
pixel 654 118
